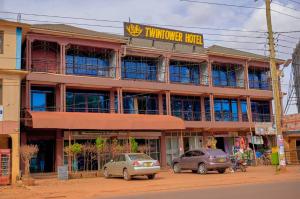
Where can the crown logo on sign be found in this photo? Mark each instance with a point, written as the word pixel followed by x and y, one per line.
pixel 134 30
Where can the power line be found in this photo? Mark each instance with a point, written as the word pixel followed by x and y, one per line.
pixel 104 20
pixel 285 6
pixel 294 1
pixel 239 6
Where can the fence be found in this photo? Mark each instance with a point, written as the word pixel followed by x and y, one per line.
pixel 292 156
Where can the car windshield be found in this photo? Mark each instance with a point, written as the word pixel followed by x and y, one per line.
pixel 139 157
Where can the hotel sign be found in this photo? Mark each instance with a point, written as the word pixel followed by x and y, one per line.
pixel 135 30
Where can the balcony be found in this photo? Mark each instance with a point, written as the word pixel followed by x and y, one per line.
pixel 142 68
pixel 187 115
pixel 259 78
pixel 260 117
pixel 226 116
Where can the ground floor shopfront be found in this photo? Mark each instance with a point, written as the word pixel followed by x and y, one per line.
pixel 163 146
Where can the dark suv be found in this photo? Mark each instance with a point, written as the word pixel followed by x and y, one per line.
pixel 202 160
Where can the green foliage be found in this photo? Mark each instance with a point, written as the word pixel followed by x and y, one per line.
pixel 76 148
pixel 133 145
pixel 100 143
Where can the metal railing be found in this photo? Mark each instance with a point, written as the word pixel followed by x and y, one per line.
pixel 260 117
pixel 188 115
pixel 45 65
pixel 260 85
pixel 226 116
pixel 137 111
pixel 292 156
pixel 91 70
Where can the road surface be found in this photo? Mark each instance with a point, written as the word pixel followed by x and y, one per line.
pixel 283 190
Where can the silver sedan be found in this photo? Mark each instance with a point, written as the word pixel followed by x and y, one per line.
pixel 128 165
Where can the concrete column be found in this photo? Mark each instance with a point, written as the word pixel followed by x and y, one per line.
pixel 168 103
pixel 271 111
pixel 163 151
pixel 59 149
pixel 249 109
pixel 62 68
pixel 239 110
pixel 118 65
pixel 167 69
pixel 160 104
pixel 60 93
pixel 15 157
pixel 246 75
pixel 120 100
pixel 202 104
pixel 209 72
pixel 112 101
pixel 212 107
pixel 28 54
pixel 28 95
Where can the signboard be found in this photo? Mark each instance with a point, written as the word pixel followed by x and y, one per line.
pixel 280 143
pixel 62 172
pixel 135 30
pixel 264 129
pixel 1 113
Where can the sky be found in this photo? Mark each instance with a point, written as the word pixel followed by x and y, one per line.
pixel 176 13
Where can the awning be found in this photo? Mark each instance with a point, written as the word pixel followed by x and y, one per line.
pixel 104 121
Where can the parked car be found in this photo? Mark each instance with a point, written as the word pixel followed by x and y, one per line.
pixel 201 161
pixel 128 165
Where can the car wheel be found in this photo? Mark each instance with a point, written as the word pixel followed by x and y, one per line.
pixel 194 171
pixel 176 168
pixel 126 175
pixel 151 177
pixel 221 170
pixel 105 173
pixel 202 169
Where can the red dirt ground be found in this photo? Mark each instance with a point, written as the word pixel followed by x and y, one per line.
pixel 165 181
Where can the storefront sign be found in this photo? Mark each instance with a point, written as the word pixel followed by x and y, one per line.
pixel 265 129
pixel 62 172
pixel 135 30
pixel 1 113
pixel 280 143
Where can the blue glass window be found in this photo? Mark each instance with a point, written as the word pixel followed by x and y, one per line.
pixel 186 107
pixel 42 99
pixel 140 104
pixel 260 111
pixel 244 110
pixel 88 61
pixel 142 68
pixel 184 72
pixel 226 109
pixel 225 74
pixel 258 79
pixel 87 101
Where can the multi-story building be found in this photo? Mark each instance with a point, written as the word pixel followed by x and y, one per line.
pixel 171 97
pixel 10 88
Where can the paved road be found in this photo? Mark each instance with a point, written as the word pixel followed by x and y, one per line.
pixel 286 190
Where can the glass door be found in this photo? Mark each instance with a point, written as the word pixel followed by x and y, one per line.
pixel 172 149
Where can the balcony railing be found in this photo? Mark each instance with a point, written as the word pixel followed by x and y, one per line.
pixel 260 117
pixel 88 110
pixel 204 80
pixel 226 116
pixel 245 117
pixel 229 83
pixel 261 85
pixel 91 70
pixel 136 111
pixel 187 115
pixel 43 108
pixel 43 65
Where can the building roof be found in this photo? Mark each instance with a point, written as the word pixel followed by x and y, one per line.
pixel 63 28
pixel 12 23
pixel 104 121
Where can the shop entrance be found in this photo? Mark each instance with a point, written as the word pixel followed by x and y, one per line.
pixel 220 143
pixel 44 161
pixel 298 149
pixel 150 147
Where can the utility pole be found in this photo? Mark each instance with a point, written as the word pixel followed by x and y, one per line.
pixel 275 87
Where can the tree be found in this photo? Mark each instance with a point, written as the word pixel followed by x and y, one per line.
pixel 101 149
pixel 27 152
pixel 72 151
pixel 133 145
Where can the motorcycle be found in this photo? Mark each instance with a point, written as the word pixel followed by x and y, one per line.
pixel 238 164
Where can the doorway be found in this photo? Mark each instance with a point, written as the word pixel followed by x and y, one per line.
pixel 298 149
pixel 220 143
pixel 44 161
